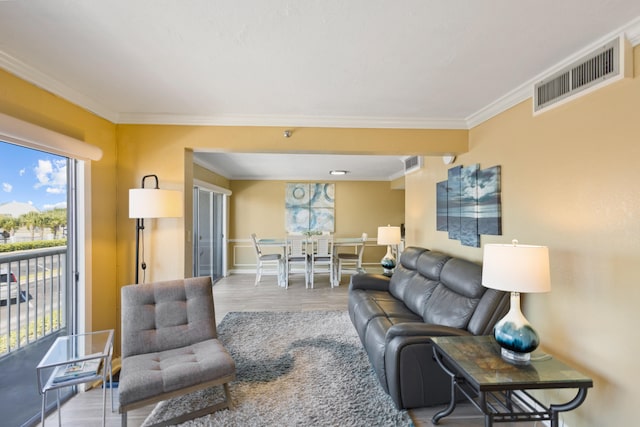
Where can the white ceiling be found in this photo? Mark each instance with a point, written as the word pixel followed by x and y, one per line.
pixel 302 166
pixel 356 63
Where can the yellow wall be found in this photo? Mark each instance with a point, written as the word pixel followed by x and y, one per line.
pixel 207 176
pixel 360 207
pixel 569 181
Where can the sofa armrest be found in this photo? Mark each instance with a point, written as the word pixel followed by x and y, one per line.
pixel 414 379
pixel 367 281
pixel 426 330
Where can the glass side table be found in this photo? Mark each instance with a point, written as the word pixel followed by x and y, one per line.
pixel 73 360
pixel 499 389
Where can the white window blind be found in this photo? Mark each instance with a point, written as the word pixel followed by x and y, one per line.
pixel 29 135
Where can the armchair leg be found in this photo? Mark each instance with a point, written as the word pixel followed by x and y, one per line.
pixel 226 404
pixel 227 394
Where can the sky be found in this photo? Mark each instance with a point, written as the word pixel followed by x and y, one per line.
pixel 31 176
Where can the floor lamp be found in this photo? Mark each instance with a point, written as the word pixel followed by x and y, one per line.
pixel 151 203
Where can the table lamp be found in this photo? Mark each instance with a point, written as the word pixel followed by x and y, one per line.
pixel 389 235
pixel 516 268
pixel 151 203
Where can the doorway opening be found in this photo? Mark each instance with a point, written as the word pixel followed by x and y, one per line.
pixel 210 224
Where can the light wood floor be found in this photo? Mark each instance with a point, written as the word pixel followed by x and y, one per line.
pixel 238 293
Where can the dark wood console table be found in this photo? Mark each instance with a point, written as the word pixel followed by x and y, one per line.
pixel 499 389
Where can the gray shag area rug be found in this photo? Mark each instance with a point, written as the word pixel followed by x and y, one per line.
pixel 293 369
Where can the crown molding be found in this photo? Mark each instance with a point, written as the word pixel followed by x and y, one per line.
pixel 525 91
pixel 632 31
pixel 30 74
pixel 299 121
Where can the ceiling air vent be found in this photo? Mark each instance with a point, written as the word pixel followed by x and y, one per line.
pixel 603 66
pixel 412 163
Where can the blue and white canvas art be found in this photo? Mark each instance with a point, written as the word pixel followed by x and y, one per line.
pixel 441 206
pixel 489 202
pixel 309 207
pixel 453 202
pixel 468 204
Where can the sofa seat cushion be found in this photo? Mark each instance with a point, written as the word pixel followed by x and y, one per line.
pixel 151 374
pixel 365 306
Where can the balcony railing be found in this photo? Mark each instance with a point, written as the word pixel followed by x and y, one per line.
pixel 33 296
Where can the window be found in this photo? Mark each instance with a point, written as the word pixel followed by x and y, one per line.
pixel 43 284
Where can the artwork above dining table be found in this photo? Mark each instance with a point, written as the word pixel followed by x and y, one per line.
pixel 309 207
pixel 469 204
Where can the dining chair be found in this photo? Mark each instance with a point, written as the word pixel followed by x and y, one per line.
pixel 267 263
pixel 322 258
pixel 296 258
pixel 350 262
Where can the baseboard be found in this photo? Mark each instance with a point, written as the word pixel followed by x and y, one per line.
pixel 241 271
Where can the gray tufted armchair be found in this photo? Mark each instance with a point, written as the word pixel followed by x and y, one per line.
pixel 170 345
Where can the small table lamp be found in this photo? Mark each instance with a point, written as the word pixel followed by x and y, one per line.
pixel 151 203
pixel 389 235
pixel 516 268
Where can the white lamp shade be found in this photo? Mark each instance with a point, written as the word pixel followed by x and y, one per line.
pixel 154 203
pixel 389 235
pixel 516 268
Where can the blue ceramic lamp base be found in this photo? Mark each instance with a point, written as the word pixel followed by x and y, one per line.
pixel 388 262
pixel 515 334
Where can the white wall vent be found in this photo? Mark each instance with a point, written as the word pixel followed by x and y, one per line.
pixel 412 163
pixel 603 66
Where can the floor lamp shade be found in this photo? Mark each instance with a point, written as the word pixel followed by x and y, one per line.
pixel 151 203
pixel 516 268
pixel 154 203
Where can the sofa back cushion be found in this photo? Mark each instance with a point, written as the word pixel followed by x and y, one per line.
pixel 416 277
pixel 456 296
pixel 405 271
pixel 166 315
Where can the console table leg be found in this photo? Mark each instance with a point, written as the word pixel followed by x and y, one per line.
pixel 44 398
pixel 488 417
pixel 59 414
pixel 573 404
pixel 452 403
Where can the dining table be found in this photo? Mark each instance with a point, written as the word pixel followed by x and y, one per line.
pixel 338 242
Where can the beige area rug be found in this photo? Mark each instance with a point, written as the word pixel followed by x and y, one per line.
pixel 293 369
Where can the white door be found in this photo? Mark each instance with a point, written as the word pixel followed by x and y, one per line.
pixel 209 227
